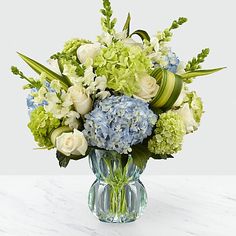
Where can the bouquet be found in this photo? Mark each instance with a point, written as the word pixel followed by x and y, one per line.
pixel 130 97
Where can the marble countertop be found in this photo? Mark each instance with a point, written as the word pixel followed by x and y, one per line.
pixel 177 205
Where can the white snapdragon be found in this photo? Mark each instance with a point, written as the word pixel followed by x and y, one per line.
pixel 105 38
pixel 56 85
pixel 73 143
pixel 72 119
pixel 39 96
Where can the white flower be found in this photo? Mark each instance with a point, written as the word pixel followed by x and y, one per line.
pixel 155 44
pixel 81 99
pixel 148 87
pixel 54 66
pixel 130 43
pixel 39 96
pixel 72 143
pixel 181 68
pixel 187 115
pixel 103 94
pixel 72 120
pixel 88 51
pixel 105 38
pixel 56 85
pixel 101 83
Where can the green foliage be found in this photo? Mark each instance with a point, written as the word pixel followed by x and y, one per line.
pixel 50 75
pixel 127 24
pixel 140 155
pixel 142 34
pixel 194 64
pixel 189 76
pixel 41 125
pixel 108 24
pixel 32 83
pixel 64 160
pixel 169 134
pixel 121 65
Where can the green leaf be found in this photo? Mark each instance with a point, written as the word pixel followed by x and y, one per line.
pixel 169 91
pixel 197 73
pixel 161 157
pixel 127 24
pixel 51 75
pixel 140 155
pixel 142 34
pixel 63 159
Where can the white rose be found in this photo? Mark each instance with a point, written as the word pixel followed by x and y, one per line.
pixel 88 51
pixel 81 99
pixel 187 115
pixel 72 143
pixel 148 87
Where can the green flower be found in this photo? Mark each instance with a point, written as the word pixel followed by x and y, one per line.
pixel 122 65
pixel 169 134
pixel 72 45
pixel 41 125
pixel 196 105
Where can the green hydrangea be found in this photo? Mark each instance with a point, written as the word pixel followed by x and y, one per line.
pixel 121 65
pixel 196 105
pixel 169 134
pixel 72 45
pixel 41 125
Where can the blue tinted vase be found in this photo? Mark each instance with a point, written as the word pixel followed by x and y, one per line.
pixel 117 195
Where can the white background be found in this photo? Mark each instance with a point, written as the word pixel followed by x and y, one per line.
pixel 39 29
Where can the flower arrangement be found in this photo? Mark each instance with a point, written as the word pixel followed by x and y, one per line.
pixel 115 94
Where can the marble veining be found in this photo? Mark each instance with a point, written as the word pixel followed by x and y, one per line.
pixel 177 205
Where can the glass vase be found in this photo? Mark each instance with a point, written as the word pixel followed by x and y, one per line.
pixel 117 195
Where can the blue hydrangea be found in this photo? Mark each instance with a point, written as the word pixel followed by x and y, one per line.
pixel 173 62
pixel 117 123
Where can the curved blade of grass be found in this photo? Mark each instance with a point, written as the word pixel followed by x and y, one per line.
pixel 127 24
pixel 142 34
pixel 197 73
pixel 39 68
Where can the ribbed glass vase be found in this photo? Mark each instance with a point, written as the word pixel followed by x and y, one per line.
pixel 117 195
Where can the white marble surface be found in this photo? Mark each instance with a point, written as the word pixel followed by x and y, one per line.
pixel 178 206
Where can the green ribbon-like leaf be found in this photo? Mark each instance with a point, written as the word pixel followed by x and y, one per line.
pixel 127 24
pixel 51 75
pixel 142 34
pixel 197 73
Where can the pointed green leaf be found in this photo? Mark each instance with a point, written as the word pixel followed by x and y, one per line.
pixel 51 75
pixel 197 73
pixel 127 24
pixel 161 157
pixel 142 34
pixel 140 155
